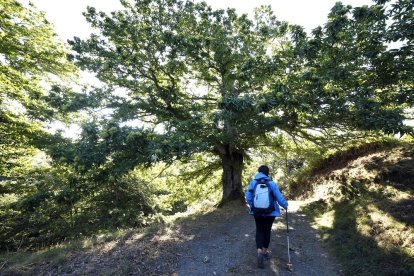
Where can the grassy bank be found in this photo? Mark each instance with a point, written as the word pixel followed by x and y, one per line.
pixel 363 210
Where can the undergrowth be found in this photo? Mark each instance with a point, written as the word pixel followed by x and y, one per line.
pixel 23 261
pixel 363 209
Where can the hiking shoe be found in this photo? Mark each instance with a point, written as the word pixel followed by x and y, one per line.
pixel 266 255
pixel 260 260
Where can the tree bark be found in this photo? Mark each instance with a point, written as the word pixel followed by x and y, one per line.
pixel 232 163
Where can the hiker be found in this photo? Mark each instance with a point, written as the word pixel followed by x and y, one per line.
pixel 264 216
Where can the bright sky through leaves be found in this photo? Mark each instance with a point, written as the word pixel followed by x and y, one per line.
pixel 66 15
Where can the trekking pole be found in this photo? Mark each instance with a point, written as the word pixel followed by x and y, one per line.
pixel 289 265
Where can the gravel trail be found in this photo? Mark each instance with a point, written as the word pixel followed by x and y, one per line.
pixel 225 245
pixel 217 243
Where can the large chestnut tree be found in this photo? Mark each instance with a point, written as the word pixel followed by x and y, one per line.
pixel 214 81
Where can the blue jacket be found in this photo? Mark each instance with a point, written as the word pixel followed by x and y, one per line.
pixel 279 199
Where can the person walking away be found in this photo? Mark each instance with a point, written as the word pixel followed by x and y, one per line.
pixel 264 216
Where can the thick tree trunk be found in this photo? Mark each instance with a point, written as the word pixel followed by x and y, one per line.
pixel 232 163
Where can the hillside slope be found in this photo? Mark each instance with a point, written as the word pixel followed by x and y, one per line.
pixel 362 203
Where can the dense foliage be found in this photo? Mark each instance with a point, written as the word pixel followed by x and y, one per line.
pixel 29 55
pixel 217 82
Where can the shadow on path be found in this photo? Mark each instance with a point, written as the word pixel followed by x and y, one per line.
pixel 217 243
pixel 228 247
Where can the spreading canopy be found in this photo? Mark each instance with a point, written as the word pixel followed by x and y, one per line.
pixel 219 82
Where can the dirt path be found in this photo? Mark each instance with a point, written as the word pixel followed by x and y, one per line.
pixel 228 247
pixel 217 243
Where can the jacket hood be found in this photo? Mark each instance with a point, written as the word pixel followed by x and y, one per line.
pixel 261 175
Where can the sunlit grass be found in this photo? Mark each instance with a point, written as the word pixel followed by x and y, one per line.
pixel 326 220
pixel 389 233
pixel 364 212
pixel 20 261
pixel 365 239
pixel 203 207
pixel 7 199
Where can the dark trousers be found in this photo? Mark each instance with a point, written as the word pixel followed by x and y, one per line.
pixel 263 230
